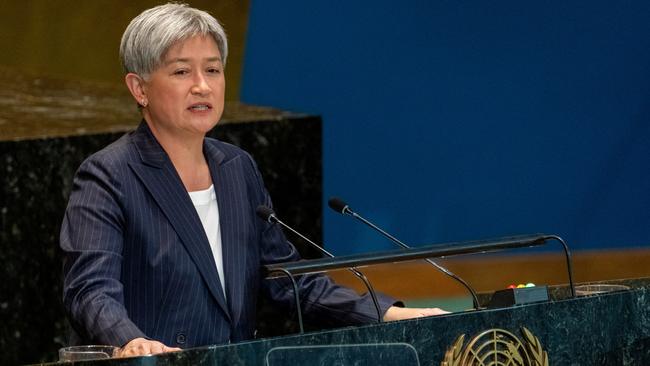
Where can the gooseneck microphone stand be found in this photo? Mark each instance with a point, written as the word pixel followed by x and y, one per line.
pixel 268 215
pixel 341 207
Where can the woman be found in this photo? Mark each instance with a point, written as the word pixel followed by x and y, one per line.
pixel 162 245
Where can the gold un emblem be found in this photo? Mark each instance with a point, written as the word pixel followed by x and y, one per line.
pixel 497 347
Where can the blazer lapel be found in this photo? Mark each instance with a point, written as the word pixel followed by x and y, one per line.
pixel 234 219
pixel 161 179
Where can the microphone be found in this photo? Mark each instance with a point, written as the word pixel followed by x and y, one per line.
pixel 267 214
pixel 342 207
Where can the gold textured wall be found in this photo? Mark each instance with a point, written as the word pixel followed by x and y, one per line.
pixel 79 40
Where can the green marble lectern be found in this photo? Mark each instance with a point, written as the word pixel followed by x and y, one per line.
pixel 595 329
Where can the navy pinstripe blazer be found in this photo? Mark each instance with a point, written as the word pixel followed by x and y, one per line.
pixel 138 262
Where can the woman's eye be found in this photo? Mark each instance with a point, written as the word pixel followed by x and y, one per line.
pixel 214 70
pixel 180 72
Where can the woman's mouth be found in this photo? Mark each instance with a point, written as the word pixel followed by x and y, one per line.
pixel 200 107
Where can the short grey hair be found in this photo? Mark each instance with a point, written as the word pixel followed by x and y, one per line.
pixel 150 35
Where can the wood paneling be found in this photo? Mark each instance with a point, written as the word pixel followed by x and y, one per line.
pixel 414 280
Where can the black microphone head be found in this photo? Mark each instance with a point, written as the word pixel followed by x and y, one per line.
pixel 338 205
pixel 264 212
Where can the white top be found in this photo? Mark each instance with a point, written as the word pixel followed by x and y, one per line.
pixel 205 203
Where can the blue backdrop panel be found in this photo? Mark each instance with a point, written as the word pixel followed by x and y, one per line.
pixel 448 120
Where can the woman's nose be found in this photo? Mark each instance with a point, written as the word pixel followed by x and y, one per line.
pixel 201 86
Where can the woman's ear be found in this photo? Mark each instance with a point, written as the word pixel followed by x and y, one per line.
pixel 136 86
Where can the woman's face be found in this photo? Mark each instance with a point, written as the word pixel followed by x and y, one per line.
pixel 186 93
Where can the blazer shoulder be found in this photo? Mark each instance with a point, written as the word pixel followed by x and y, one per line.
pixel 229 150
pixel 113 157
pixel 225 152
